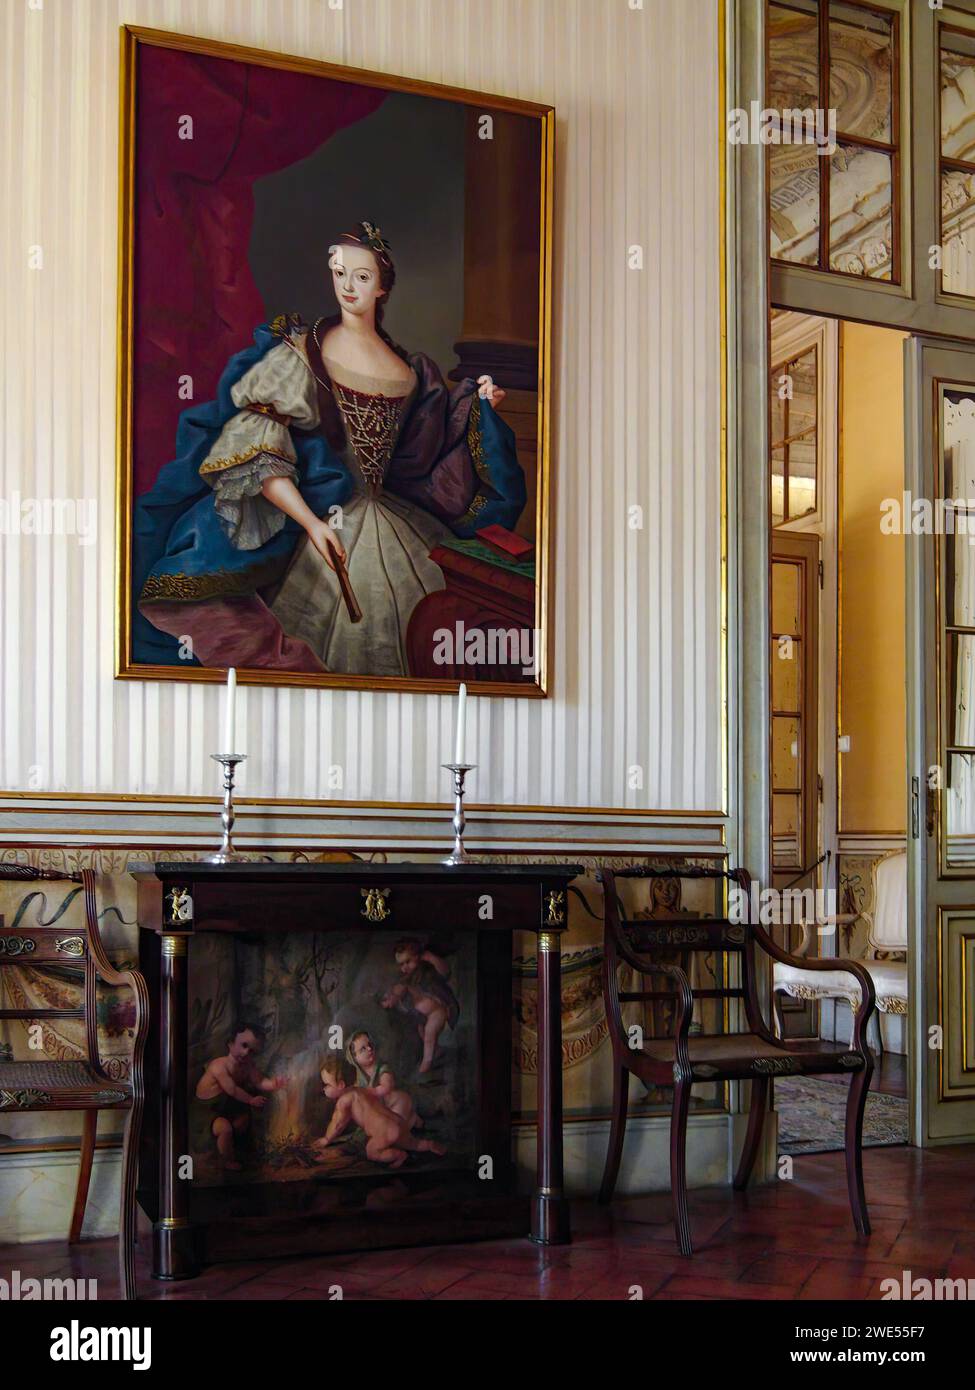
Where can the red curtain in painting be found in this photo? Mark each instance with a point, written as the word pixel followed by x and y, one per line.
pixel 196 302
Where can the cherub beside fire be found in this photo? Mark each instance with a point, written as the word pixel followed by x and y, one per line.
pixel 231 1087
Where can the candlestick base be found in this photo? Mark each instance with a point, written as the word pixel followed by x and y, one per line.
pixel 460 771
pixel 227 854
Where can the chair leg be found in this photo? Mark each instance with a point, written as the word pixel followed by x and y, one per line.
pixel 621 1089
pixel 126 1224
pixel 753 1135
pixel 86 1159
pixel 678 1166
pixel 855 1104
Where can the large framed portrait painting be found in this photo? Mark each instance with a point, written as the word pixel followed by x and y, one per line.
pixel 334 374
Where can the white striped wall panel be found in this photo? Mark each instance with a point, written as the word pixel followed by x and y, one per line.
pixel 636 673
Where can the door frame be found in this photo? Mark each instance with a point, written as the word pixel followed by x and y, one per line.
pixel 796 333
pixel 751 280
pixel 803 551
pixel 932 884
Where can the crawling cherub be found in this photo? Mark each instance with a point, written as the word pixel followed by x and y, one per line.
pixel 231 1087
pixel 388 1136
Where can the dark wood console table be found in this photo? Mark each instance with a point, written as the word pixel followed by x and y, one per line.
pixel 179 902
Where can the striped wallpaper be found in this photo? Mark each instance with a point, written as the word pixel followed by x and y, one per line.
pixel 636 672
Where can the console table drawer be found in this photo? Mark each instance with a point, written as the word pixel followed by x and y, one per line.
pixel 346 906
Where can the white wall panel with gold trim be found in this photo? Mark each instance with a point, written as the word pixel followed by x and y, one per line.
pixel 637 614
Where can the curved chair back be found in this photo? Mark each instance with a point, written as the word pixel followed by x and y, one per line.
pixel 57 945
pixel 645 943
pixel 888 919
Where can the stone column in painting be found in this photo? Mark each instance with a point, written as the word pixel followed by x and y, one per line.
pixel 502 260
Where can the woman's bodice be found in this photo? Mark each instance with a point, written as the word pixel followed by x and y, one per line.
pixel 373 410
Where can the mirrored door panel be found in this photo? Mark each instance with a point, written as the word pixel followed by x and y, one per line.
pixel 952 779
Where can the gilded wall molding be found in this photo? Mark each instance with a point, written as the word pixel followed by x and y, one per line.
pixel 175 827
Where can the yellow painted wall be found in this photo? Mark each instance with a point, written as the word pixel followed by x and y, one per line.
pixel 872 669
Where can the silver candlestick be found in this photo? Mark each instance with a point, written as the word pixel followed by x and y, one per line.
pixel 460 771
pixel 226 854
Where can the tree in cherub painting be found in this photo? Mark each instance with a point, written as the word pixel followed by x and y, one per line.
pixel 335 502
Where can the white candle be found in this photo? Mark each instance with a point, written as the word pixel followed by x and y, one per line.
pixel 461 724
pixel 230 713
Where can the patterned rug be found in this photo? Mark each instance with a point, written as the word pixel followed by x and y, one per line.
pixel 812 1112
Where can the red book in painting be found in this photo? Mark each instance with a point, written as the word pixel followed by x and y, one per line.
pixel 506 543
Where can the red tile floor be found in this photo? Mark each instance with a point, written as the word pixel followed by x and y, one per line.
pixel 788 1240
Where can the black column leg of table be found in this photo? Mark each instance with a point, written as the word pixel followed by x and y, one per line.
pixel 173 1255
pixel 550 1210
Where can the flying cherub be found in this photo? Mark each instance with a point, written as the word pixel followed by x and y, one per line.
pixel 422 991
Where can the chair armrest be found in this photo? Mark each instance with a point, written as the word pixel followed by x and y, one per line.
pixel 26 873
pixel 868 995
pixel 107 972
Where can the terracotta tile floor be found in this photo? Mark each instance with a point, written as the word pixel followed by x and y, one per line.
pixel 789 1240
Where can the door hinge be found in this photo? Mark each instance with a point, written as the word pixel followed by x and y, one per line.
pixel 915 808
pixel 819 785
pixel 821 572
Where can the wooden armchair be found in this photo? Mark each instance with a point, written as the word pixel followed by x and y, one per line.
pixel 757 1055
pixel 79 1085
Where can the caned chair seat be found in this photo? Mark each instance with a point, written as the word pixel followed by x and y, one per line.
pixel 738 1056
pixel 49 1084
pixel 32 1080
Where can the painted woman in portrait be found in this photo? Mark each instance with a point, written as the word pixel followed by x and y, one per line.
pixel 328 447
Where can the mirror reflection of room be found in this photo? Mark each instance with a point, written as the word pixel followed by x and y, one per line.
pixel 838 716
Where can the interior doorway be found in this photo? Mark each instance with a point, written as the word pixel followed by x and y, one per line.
pixel 837 707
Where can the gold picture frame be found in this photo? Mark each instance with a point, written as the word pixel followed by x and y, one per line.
pixel 135 40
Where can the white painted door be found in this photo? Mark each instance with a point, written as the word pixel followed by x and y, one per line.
pixel 939 506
